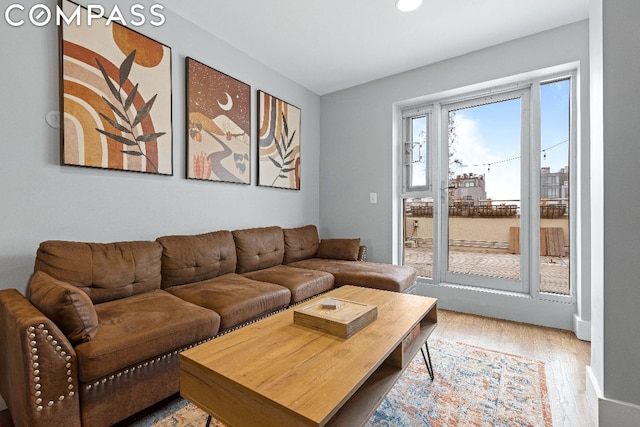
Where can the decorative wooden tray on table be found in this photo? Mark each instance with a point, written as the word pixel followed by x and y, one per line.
pixel 335 316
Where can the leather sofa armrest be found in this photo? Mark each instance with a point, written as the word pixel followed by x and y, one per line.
pixel 362 253
pixel 38 372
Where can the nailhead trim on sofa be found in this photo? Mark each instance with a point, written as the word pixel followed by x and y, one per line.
pixel 32 331
pixel 133 369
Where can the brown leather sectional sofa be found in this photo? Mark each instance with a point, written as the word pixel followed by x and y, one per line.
pixel 97 340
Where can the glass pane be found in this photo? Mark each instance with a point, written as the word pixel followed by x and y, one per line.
pixel 418 238
pixel 417 151
pixel 484 190
pixel 554 186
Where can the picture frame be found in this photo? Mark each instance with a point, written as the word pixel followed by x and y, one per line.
pixel 116 97
pixel 278 143
pixel 218 125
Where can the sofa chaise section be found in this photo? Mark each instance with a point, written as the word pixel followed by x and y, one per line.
pixel 372 275
pixel 340 258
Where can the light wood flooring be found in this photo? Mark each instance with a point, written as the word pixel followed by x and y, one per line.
pixel 564 355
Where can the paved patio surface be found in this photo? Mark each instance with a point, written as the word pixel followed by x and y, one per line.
pixel 554 271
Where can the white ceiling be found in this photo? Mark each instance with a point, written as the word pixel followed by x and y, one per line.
pixel 328 45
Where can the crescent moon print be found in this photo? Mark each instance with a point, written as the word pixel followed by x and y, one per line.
pixel 219 126
pixel 229 105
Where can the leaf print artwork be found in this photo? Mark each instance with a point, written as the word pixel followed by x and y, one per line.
pixel 131 142
pixel 279 143
pixel 116 99
pixel 285 152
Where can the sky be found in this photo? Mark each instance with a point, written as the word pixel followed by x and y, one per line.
pixel 488 140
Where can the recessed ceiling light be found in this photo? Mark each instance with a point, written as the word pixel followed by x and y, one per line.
pixel 408 5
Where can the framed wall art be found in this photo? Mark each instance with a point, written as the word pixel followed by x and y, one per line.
pixel 219 126
pixel 278 143
pixel 115 97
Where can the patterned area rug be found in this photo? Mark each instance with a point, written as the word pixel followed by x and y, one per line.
pixel 473 386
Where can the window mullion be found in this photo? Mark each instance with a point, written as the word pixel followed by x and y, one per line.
pixel 531 193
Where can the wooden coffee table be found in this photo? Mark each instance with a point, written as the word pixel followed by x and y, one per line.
pixel 276 373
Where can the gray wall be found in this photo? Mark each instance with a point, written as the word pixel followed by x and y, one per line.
pixel 615 39
pixel 358 157
pixel 40 200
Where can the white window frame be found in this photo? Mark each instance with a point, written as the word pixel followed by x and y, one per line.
pixel 520 285
pixel 408 189
pixel 531 81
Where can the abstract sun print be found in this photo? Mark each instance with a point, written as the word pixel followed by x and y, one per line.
pixel 116 98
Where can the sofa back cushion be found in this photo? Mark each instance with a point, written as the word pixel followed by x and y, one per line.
pixel 66 305
pixel 105 271
pixel 258 248
pixel 344 249
pixel 189 259
pixel 300 243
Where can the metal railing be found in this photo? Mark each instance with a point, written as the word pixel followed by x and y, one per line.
pixel 549 208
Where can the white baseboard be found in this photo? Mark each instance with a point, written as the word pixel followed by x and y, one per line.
pixel 611 412
pixel 3 405
pixel 593 392
pixel 616 413
pixel 582 328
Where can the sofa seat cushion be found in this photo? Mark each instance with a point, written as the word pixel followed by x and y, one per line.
pixel 236 298
pixel 301 282
pixel 388 277
pixel 141 327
